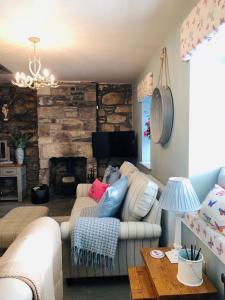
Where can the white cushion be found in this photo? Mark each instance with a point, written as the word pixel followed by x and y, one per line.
pixel 213 208
pixel 127 169
pixel 140 197
pixel 221 177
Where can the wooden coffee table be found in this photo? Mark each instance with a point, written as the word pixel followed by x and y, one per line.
pixel 157 279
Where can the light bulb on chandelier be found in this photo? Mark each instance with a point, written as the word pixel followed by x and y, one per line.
pixel 37 80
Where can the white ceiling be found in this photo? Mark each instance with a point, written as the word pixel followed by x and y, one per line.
pixel 99 40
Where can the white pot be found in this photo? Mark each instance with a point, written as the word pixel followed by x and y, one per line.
pixel 189 271
pixel 20 155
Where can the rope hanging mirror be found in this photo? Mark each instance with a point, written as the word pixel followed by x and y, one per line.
pixel 162 109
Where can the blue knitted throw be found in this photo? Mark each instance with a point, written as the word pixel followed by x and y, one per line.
pixel 94 240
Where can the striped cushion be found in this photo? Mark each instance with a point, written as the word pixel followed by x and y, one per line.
pixel 140 197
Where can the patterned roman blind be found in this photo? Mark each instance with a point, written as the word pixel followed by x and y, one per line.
pixel 201 24
pixel 144 87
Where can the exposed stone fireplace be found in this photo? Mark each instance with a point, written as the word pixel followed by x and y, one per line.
pixel 66 173
pixel 66 119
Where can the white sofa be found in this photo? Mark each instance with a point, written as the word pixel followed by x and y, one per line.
pixel 33 262
pixel 134 234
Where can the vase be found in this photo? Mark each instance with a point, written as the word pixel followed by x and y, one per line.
pixel 20 155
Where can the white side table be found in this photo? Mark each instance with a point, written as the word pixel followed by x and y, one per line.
pixel 12 176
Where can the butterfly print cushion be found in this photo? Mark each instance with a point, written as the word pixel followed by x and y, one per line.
pixel 213 208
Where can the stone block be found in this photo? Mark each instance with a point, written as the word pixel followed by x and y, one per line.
pixel 44 91
pixel 70 112
pixel 87 112
pixel 50 112
pixel 125 128
pixel 70 121
pixel 123 109
pixel 45 100
pixel 43 130
pixel 109 109
pixel 113 99
pixel 90 125
pixel 115 119
pixel 107 127
pixel 44 163
pixel 72 149
pixel 101 113
pixel 45 140
pixel 90 96
pixel 19 107
pixel 61 91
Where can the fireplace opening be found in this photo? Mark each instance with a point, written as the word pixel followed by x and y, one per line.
pixel 66 173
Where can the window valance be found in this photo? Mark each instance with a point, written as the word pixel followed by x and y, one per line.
pixel 145 87
pixel 203 21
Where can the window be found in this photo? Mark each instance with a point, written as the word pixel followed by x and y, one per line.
pixel 207 106
pixel 145 140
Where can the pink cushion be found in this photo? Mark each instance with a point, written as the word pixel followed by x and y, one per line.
pixel 97 190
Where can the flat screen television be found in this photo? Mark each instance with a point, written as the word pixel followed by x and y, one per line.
pixel 114 144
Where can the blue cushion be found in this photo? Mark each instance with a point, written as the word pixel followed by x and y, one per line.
pixel 112 199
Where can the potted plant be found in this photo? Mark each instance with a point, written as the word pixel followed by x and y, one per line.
pixel 19 141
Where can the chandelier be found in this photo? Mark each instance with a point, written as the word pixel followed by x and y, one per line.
pixel 37 79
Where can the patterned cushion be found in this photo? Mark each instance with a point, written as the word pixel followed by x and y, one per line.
pixel 112 174
pixel 221 177
pixel 213 208
pixel 140 197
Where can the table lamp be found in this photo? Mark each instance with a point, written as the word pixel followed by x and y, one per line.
pixel 180 197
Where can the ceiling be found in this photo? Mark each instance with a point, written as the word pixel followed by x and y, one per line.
pixel 97 40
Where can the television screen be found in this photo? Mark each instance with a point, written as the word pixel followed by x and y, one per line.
pixel 114 144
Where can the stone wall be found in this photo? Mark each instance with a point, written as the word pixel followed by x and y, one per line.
pixel 22 117
pixel 115 107
pixel 114 114
pixel 66 119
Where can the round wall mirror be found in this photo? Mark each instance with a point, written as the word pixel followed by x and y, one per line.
pixel 161 115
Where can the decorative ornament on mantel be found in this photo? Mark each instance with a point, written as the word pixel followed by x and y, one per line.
pixel 36 80
pixel 162 109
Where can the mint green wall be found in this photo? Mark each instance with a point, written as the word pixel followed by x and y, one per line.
pixel 172 159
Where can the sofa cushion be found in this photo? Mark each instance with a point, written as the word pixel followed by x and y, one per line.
pixel 221 177
pixel 97 190
pixel 213 208
pixel 112 199
pixel 112 174
pixel 80 203
pixel 127 169
pixel 140 197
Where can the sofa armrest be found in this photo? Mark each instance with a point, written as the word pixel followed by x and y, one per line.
pixel 82 189
pixel 65 231
pixel 12 288
pixel 128 230
pixel 139 230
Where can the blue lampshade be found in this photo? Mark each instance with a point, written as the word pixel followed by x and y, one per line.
pixel 179 196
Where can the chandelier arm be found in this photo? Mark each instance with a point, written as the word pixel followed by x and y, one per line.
pixel 35 81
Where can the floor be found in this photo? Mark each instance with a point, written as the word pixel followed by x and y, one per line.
pixel 58 206
pixel 98 288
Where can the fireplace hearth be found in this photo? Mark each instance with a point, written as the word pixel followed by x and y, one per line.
pixel 66 173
